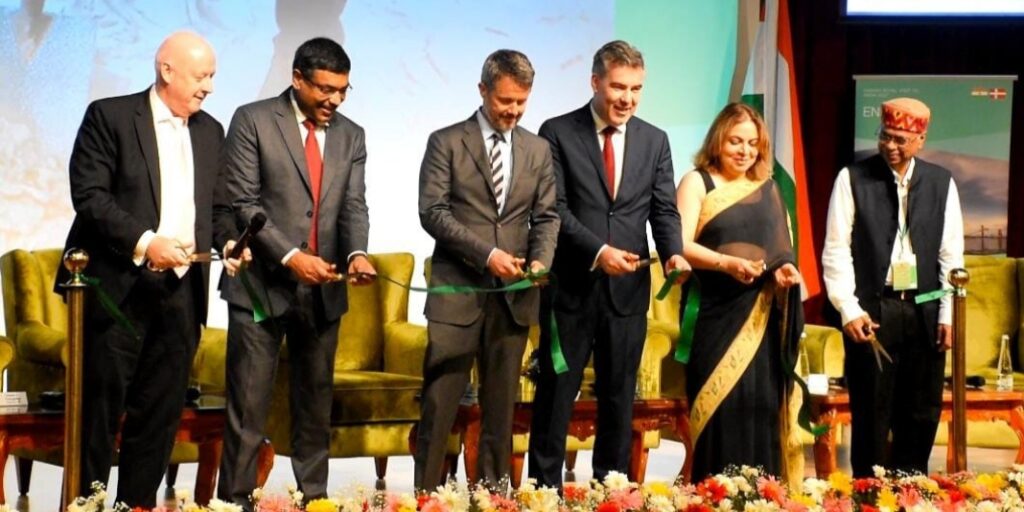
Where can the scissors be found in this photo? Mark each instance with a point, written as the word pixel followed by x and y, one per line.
pixel 880 351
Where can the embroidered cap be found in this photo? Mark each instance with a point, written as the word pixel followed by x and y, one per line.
pixel 906 114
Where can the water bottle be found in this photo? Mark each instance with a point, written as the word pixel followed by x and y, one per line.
pixel 1005 368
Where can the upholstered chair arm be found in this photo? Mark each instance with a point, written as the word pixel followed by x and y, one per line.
pixel 41 343
pixel 6 352
pixel 824 349
pixel 405 346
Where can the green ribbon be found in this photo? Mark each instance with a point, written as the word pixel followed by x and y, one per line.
pixel 259 314
pixel 803 416
pixel 933 295
pixel 557 357
pixel 110 306
pixel 688 322
pixel 670 280
pixel 529 281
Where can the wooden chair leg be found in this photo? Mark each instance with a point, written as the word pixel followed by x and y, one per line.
pixel 381 464
pixel 518 459
pixel 170 478
pixel 206 473
pixel 570 466
pixel 23 468
pixel 265 463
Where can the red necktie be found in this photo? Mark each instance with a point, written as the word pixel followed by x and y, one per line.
pixel 315 163
pixel 609 159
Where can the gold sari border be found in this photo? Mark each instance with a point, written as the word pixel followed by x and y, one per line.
pixel 732 366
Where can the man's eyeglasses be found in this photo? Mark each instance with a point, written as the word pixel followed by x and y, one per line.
pixel 327 90
pixel 899 140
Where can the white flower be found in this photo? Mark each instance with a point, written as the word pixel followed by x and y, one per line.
pixel 986 506
pixel 482 497
pixel 724 481
pixel 725 505
pixel 529 484
pixel 742 484
pixel 749 471
pixel 217 505
pixel 406 500
pixel 815 488
pixel 879 471
pixel 616 481
pixel 257 493
pixel 453 497
pixel 760 506
pixel 660 504
pixel 297 497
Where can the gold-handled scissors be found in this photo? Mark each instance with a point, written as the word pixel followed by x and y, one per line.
pixel 880 351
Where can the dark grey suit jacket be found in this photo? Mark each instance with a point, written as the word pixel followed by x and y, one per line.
pixel 590 218
pixel 458 208
pixel 266 173
pixel 115 188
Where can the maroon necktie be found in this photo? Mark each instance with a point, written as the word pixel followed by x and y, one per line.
pixel 609 159
pixel 315 163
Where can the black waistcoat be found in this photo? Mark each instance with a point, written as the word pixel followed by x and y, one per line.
pixel 876 225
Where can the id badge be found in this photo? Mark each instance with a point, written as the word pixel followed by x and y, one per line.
pixel 904 275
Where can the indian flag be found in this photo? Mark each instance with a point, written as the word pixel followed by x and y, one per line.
pixel 764 78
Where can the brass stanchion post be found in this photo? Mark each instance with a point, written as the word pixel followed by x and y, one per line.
pixel 75 260
pixel 959 277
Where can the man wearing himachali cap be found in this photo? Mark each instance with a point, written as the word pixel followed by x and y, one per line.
pixel 894 231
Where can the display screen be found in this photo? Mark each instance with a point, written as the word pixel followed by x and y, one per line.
pixel 935 8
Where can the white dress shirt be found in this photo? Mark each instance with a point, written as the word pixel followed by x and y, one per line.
pixel 619 148
pixel 486 130
pixel 506 152
pixel 837 259
pixel 177 182
pixel 321 140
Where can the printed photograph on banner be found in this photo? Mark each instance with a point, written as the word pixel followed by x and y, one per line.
pixel 969 134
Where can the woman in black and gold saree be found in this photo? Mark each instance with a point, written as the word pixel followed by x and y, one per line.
pixel 744 312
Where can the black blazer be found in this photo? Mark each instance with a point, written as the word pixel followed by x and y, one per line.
pixel 115 189
pixel 590 218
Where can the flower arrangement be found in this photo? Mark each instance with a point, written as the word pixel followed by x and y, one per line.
pixel 740 488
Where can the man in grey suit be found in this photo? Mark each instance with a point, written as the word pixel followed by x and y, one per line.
pixel 300 163
pixel 487 197
pixel 614 174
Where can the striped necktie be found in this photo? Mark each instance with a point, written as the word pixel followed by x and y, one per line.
pixel 497 170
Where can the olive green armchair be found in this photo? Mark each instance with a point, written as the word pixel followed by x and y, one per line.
pixel 36 323
pixel 378 373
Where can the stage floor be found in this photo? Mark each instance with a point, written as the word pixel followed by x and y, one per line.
pixel 663 465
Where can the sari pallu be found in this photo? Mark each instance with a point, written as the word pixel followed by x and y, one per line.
pixel 741 411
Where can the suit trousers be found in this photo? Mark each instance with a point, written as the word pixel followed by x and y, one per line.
pixel 251 367
pixel 904 397
pixel 142 378
pixel 616 343
pixel 497 343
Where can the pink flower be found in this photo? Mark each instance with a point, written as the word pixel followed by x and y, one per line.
pixel 627 499
pixel 275 503
pixel 770 489
pixel 909 496
pixel 833 504
pixel 433 505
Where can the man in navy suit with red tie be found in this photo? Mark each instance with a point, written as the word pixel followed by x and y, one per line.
pixel 614 176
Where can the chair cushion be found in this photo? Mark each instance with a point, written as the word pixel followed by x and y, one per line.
pixel 362 397
pixel 992 309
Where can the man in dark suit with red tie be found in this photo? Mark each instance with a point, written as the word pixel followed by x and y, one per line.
pixel 614 176
pixel 300 163
pixel 143 173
